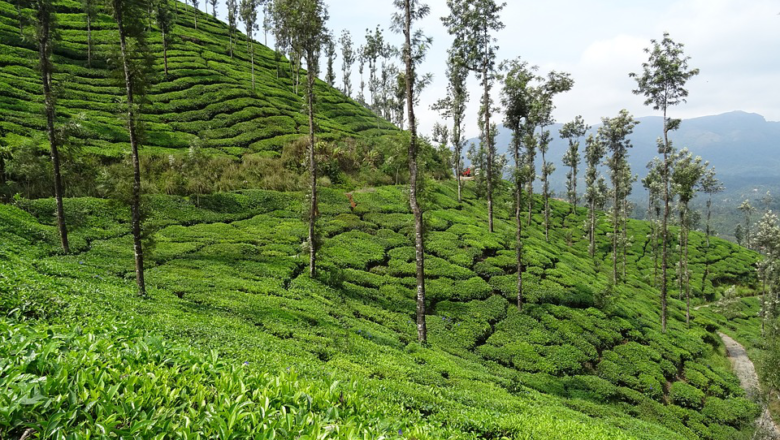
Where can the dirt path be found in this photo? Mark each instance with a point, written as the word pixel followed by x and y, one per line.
pixel 744 369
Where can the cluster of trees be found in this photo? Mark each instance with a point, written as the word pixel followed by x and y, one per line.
pixel 299 25
pixel 673 179
pixel 526 101
pixel 767 241
pixel 386 82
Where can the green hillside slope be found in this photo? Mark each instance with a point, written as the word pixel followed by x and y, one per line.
pixel 207 95
pixel 227 276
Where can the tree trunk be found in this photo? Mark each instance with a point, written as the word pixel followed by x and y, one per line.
pixel 545 192
pixel 2 172
pixel 252 61
pixel 419 245
pixel 486 101
pixel 574 189
pixel 615 221
pixel 457 175
pixel 651 236
pixel 625 239
pixel 707 248
pixel 519 225
pixel 89 41
pixel 313 213
pixel 21 18
pixel 165 53
pixel 680 276
pixel 136 191
pixel 762 311
pixel 195 15
pixel 592 229
pixel 530 195
pixel 665 227
pixel 685 275
pixel 231 43
pixel 44 50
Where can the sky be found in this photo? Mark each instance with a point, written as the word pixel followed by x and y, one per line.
pixel 734 43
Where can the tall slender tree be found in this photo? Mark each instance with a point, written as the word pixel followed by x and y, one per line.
pixel 330 55
pixel 572 132
pixel 767 240
pixel 372 51
pixel 687 173
pixel 166 20
pixel 361 58
pixel 214 4
pixel 594 195
pixel 747 210
pixel 662 82
pixel 653 184
pixel 5 154
pixel 303 23
pixel 454 106
pixel 554 84
pixel 45 37
pixel 472 23
pixel 627 207
pixel 614 134
pixel 710 185
pixel 517 100
pixel 20 17
pixel 196 5
pixel 739 234
pixel 90 13
pixel 531 143
pixel 268 22
pixel 347 60
pixel 131 17
pixel 232 15
pixel 413 53
pixel 248 11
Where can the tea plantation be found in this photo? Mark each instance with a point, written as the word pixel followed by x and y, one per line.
pixel 236 341
pixel 206 97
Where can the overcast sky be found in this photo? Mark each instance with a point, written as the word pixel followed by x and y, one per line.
pixel 735 43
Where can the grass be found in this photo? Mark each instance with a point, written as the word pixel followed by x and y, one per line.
pixel 228 285
pixel 207 95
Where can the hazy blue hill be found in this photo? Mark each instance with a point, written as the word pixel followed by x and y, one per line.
pixel 741 146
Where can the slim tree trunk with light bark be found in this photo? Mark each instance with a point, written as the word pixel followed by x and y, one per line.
pixel 419 245
pixel 89 41
pixel 486 103
pixel 313 212
pixel 665 228
pixel 134 144
pixel 44 38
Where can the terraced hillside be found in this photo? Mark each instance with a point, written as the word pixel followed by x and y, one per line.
pixel 207 96
pixel 228 276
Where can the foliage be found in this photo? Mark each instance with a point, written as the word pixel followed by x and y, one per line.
pixel 226 275
pixel 207 97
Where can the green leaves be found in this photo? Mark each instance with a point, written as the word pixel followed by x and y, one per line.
pixel 664 75
pixel 124 384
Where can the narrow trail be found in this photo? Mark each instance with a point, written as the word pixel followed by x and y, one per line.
pixel 744 369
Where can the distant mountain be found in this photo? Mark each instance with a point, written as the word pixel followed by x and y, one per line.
pixel 743 147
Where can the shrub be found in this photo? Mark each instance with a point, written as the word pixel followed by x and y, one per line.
pixel 590 387
pixel 686 396
pixel 733 412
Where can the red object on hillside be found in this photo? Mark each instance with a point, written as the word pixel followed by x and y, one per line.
pixel 467 172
